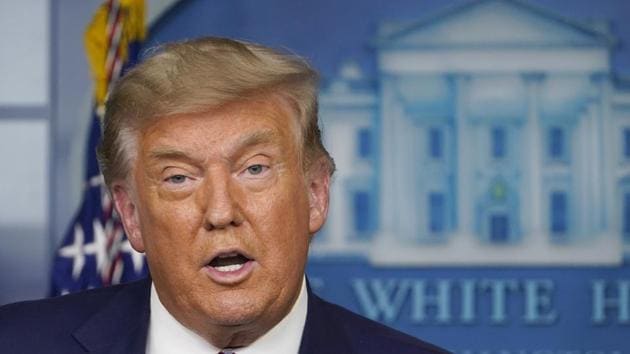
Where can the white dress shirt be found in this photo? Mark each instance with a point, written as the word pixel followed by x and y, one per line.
pixel 168 336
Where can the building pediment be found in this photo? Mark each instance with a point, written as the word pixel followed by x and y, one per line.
pixel 492 23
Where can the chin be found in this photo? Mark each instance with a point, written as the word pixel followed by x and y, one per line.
pixel 233 310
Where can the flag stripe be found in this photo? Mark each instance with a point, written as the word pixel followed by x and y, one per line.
pixel 95 251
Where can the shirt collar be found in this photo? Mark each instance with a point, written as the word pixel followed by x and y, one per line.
pixel 167 335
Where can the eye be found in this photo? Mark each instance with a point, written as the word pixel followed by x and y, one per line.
pixel 176 179
pixel 256 169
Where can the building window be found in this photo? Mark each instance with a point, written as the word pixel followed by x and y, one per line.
pixel 499 228
pixel 626 216
pixel 364 143
pixel 626 143
pixel 558 210
pixel 361 206
pixel 435 143
pixel 556 143
pixel 498 137
pixel 436 212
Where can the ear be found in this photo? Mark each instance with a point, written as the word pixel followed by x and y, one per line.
pixel 125 204
pixel 319 194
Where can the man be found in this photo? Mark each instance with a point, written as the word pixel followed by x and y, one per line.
pixel 213 156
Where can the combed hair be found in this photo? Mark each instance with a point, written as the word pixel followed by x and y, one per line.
pixel 196 76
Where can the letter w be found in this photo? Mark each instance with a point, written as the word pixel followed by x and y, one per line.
pixel 379 297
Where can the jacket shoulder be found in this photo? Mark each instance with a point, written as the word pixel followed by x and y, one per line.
pixel 49 323
pixel 368 336
pixel 66 308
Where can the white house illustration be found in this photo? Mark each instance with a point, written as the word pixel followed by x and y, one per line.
pixel 494 133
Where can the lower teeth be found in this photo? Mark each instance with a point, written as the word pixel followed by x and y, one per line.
pixel 229 268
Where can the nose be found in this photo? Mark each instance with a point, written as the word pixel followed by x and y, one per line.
pixel 221 207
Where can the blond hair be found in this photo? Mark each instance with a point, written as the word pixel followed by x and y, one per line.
pixel 196 76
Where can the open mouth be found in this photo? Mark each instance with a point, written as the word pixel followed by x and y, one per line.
pixel 229 262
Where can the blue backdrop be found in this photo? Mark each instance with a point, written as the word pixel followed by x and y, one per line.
pixel 482 200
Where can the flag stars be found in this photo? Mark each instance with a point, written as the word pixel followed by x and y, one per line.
pixel 99 246
pixel 75 251
pixel 78 249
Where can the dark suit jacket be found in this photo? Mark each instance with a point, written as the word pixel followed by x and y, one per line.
pixel 116 320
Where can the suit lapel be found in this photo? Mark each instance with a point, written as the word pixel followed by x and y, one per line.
pixel 121 326
pixel 321 332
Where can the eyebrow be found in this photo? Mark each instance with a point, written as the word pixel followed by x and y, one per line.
pixel 260 137
pixel 169 153
pixel 257 138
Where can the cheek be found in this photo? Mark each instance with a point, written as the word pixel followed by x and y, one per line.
pixel 283 207
pixel 282 219
pixel 168 233
pixel 166 225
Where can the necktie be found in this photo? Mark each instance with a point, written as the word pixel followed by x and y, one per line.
pixel 227 351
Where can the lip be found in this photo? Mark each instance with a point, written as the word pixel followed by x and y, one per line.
pixel 230 277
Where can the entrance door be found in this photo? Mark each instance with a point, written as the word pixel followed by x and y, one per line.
pixel 499 228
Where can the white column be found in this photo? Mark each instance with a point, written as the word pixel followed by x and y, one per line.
pixel 583 176
pixel 418 184
pixel 609 164
pixel 339 227
pixel 595 170
pixel 390 112
pixel 606 158
pixel 404 205
pixel 534 157
pixel 464 159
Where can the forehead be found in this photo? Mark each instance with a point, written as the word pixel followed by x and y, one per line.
pixel 253 121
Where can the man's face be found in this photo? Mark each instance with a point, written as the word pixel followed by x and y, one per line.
pixel 224 211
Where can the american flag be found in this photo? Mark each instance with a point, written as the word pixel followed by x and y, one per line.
pixel 95 251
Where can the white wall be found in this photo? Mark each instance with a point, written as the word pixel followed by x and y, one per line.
pixel 45 98
pixel 23 148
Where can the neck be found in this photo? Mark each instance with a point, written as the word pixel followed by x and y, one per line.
pixel 236 335
pixel 277 329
